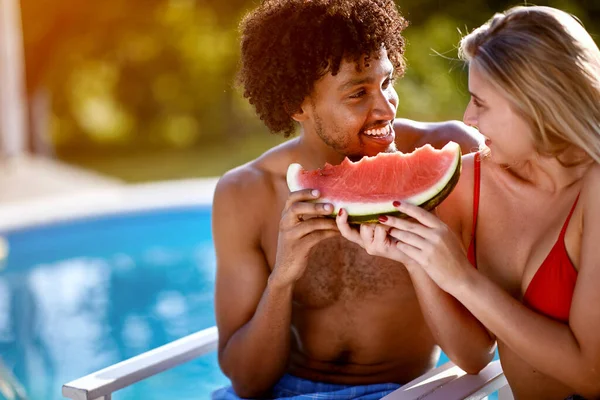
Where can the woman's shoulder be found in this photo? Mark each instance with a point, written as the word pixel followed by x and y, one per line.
pixel 466 182
pixel 456 209
pixel 464 187
pixel 592 174
pixel 590 191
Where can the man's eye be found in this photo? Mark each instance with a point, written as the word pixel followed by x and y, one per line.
pixel 476 103
pixel 358 94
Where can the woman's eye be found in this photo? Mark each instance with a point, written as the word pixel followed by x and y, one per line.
pixel 388 82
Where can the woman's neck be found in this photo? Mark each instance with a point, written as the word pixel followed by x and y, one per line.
pixel 547 173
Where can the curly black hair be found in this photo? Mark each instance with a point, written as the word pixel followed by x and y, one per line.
pixel 287 45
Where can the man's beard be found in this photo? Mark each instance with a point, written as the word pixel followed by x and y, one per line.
pixel 337 145
pixel 342 147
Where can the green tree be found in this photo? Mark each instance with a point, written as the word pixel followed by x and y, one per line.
pixel 134 80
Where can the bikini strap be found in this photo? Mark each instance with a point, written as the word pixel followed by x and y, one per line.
pixel 476 185
pixel 566 224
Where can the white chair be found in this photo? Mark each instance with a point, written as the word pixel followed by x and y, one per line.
pixel 447 382
pixel 10 387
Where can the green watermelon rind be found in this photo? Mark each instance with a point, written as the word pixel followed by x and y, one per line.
pixel 360 213
pixel 428 205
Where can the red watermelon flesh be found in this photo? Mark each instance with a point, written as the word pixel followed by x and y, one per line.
pixel 369 187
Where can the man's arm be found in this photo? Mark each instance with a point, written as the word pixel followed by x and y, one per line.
pixel 253 303
pixel 412 134
pixel 252 316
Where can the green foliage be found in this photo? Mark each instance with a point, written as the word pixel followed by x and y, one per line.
pixel 139 79
pixel 126 76
pixel 433 87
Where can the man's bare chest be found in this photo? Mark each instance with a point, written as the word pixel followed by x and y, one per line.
pixel 340 270
pixel 337 269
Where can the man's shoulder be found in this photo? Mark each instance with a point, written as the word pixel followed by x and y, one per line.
pixel 417 134
pixel 243 183
pixel 467 137
pixel 254 180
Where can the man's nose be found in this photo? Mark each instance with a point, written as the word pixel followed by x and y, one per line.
pixel 386 105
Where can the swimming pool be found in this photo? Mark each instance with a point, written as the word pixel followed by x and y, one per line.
pixel 78 296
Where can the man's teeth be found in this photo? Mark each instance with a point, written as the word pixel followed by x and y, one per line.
pixel 378 132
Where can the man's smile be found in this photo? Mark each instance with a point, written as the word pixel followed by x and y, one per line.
pixel 382 136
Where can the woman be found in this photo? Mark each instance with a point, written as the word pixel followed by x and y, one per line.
pixel 527 209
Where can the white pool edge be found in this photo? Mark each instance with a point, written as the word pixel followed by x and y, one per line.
pixel 107 201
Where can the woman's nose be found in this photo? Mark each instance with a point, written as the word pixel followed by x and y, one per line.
pixel 470 116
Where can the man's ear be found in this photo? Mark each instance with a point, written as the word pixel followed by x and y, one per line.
pixel 300 113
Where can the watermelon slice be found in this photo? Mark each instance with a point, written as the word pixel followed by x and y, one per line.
pixel 368 188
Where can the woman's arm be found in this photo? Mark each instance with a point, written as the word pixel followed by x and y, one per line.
pixel 460 335
pixel 569 353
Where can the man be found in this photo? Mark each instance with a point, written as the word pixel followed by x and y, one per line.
pixel 300 309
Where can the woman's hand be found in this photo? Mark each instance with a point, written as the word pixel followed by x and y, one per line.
pixel 373 238
pixel 425 243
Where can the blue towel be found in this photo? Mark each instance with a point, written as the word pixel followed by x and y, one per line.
pixel 294 388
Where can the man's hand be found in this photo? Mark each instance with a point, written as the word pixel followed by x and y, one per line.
pixel 302 226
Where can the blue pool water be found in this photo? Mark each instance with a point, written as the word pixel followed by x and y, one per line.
pixel 78 296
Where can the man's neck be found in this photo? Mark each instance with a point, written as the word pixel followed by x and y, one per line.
pixel 314 153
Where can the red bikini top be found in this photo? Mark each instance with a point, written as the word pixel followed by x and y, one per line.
pixel 551 289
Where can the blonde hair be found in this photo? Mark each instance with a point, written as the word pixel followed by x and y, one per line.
pixel 548 66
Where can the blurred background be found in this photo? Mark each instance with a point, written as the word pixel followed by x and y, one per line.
pixel 143 90
pixel 95 95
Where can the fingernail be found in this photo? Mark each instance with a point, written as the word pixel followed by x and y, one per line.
pixel 341 212
pixel 328 207
pixel 383 218
pixel 315 193
pixel 396 204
